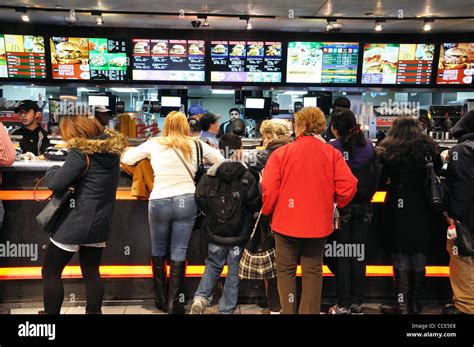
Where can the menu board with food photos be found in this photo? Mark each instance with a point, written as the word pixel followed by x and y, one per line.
pixel 322 62
pixel 456 63
pixel 168 60
pixel 96 59
pixel 246 61
pixel 22 56
pixel 397 63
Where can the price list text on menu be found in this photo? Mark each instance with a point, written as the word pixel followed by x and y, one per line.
pixel 415 64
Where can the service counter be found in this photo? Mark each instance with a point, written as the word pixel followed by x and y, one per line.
pixel 126 269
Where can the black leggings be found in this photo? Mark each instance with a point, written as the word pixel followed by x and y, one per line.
pixel 54 263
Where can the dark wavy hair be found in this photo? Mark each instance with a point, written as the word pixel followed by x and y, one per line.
pixel 406 143
pixel 351 135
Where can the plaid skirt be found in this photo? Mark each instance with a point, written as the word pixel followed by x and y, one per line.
pixel 257 266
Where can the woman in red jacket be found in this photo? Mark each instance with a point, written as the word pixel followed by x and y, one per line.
pixel 301 183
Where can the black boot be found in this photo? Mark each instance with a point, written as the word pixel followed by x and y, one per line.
pixel 402 285
pixel 415 293
pixel 175 293
pixel 158 265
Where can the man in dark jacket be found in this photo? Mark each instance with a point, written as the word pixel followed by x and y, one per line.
pixel 34 137
pixel 228 195
pixel 460 176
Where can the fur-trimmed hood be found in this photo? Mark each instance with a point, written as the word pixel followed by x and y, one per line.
pixel 110 142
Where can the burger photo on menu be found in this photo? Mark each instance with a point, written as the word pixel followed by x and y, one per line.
pixel 237 49
pixel 178 48
pixel 255 49
pixel 196 48
pixel 219 48
pixel 141 48
pixel 273 49
pixel 159 47
pixel 456 63
pixel 70 58
pixel 380 64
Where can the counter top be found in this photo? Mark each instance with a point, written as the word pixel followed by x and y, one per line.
pixel 31 165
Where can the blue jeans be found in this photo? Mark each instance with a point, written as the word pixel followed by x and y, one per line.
pixel 172 217
pixel 215 261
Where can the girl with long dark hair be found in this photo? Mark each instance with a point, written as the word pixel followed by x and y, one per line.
pixel 408 219
pixel 355 217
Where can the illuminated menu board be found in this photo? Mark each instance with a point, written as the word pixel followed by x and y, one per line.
pixel 22 56
pixel 322 62
pixel 397 63
pixel 168 60
pixel 456 63
pixel 96 59
pixel 246 61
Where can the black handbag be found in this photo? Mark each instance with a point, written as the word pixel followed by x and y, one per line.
pixel 436 189
pixel 49 217
pixel 200 171
pixel 464 240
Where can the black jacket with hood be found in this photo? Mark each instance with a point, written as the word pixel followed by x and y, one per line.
pixel 460 173
pixel 90 220
pixel 228 171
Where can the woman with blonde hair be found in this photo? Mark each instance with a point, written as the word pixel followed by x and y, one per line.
pixel 300 185
pixel 275 134
pixel 172 209
pixel 93 167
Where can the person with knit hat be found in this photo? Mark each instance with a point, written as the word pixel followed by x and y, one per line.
pixel 460 175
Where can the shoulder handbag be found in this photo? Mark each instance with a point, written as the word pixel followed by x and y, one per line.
pixel 257 264
pixel 49 217
pixel 436 190
pixel 200 166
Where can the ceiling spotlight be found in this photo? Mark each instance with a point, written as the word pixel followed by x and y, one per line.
pixel 99 20
pixel 249 25
pixel 427 25
pixel 71 19
pixel 378 25
pixel 25 17
pixel 333 26
pixel 206 23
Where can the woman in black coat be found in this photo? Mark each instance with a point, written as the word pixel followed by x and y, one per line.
pixel 92 167
pixel 408 219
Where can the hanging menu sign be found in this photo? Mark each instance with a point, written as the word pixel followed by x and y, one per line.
pixel 168 60
pixel 22 56
pixel 246 61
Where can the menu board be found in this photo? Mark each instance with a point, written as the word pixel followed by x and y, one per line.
pixel 456 63
pixel 397 63
pixel 96 59
pixel 22 56
pixel 168 60
pixel 322 62
pixel 246 61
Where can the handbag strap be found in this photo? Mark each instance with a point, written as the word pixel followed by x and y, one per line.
pixel 88 163
pixel 184 163
pixel 256 224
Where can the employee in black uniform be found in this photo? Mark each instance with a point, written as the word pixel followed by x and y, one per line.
pixel 234 113
pixel 35 138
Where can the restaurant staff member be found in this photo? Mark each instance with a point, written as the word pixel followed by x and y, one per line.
pixel 35 138
pixel 234 113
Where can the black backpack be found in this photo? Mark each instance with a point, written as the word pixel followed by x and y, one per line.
pixel 226 200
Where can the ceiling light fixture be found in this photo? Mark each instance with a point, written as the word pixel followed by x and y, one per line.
pixel 427 25
pixel 99 20
pixel 24 14
pixel 378 25
pixel 249 25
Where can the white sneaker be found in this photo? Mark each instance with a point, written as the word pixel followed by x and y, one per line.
pixel 199 305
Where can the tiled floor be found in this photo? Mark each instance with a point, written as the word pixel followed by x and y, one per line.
pixel 147 307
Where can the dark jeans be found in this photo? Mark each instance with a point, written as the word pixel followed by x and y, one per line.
pixel 350 270
pixel 289 252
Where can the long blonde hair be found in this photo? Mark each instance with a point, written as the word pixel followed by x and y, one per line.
pixel 176 134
